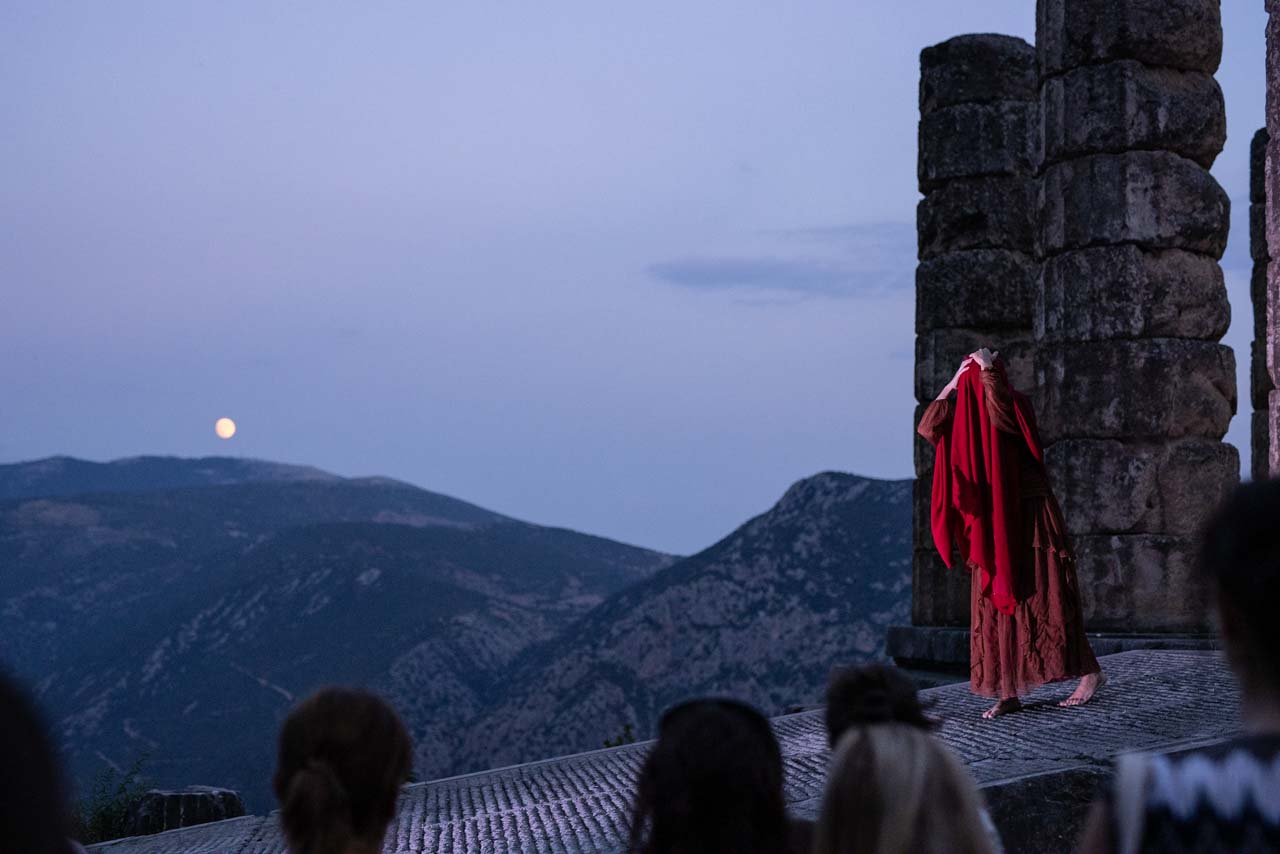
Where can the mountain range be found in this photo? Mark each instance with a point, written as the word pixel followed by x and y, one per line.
pixel 175 609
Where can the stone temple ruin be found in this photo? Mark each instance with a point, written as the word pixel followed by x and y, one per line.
pixel 1266 296
pixel 1069 221
pixel 1260 382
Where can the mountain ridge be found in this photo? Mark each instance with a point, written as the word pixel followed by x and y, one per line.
pixel 184 622
pixel 740 617
pixel 63 475
pixel 123 609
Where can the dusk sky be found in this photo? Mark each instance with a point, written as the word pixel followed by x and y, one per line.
pixel 631 269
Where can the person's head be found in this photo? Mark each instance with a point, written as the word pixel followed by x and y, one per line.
pixel 895 789
pixel 33 794
pixel 1240 562
pixel 711 784
pixel 872 694
pixel 343 756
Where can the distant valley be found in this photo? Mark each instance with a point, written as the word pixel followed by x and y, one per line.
pixel 176 608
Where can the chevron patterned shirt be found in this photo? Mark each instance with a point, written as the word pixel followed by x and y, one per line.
pixel 1222 798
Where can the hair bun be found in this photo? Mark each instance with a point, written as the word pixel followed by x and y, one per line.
pixel 317 800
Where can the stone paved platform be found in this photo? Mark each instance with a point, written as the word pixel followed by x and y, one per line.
pixel 933 647
pixel 1155 700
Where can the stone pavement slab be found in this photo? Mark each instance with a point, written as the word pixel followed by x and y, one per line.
pixel 1154 700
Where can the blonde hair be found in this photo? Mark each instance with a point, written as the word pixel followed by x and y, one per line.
pixel 894 789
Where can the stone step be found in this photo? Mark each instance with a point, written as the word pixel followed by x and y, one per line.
pixel 1155 700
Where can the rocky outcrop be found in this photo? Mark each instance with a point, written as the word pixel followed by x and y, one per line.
pixel 762 616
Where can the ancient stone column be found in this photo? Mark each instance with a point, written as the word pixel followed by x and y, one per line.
pixel 977 271
pixel 1136 392
pixel 1260 382
pixel 1272 202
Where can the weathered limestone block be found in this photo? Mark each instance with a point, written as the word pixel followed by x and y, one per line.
pixel 978 213
pixel 940 352
pixel 1155 389
pixel 1184 34
pixel 977 69
pixel 1260 381
pixel 970 140
pixel 1140 583
pixel 161 810
pixel 1119 106
pixel 921 529
pixel 1271 332
pixel 1107 486
pixel 1258 298
pixel 1260 385
pixel 1123 291
pixel 1271 174
pixel 1260 465
pixel 922 451
pixel 1153 198
pixel 1258 231
pixel 1258 167
pixel 984 288
pixel 1273 429
pixel 939 596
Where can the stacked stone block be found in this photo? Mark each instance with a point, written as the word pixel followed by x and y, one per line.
pixel 977 163
pixel 1260 383
pixel 1135 391
pixel 1272 205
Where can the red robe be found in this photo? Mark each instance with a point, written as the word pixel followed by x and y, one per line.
pixel 977 487
pixel 992 502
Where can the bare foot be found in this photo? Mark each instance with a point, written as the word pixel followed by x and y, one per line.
pixel 1084 692
pixel 1004 707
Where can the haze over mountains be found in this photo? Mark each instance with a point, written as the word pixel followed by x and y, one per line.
pixel 177 608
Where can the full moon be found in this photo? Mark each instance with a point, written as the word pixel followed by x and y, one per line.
pixel 225 428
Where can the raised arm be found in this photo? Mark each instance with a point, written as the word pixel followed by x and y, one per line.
pixel 936 421
pixel 1000 403
pixel 999 397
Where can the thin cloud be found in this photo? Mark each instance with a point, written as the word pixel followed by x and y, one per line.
pixel 840 262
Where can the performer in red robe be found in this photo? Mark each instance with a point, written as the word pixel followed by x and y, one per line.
pixel 992 503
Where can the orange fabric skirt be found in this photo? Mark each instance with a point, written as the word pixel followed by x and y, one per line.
pixel 1043 639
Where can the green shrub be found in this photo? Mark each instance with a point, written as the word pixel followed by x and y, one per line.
pixel 628 736
pixel 103 814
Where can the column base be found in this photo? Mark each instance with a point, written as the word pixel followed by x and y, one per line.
pixel 931 652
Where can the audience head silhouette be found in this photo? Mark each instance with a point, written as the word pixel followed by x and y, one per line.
pixel 895 789
pixel 1240 561
pixel 343 756
pixel 872 694
pixel 711 785
pixel 33 794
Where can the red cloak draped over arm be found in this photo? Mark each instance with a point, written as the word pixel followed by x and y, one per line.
pixel 976 502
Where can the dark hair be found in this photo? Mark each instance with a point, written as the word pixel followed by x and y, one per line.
pixel 343 756
pixel 872 694
pixel 712 784
pixel 1240 560
pixel 33 792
